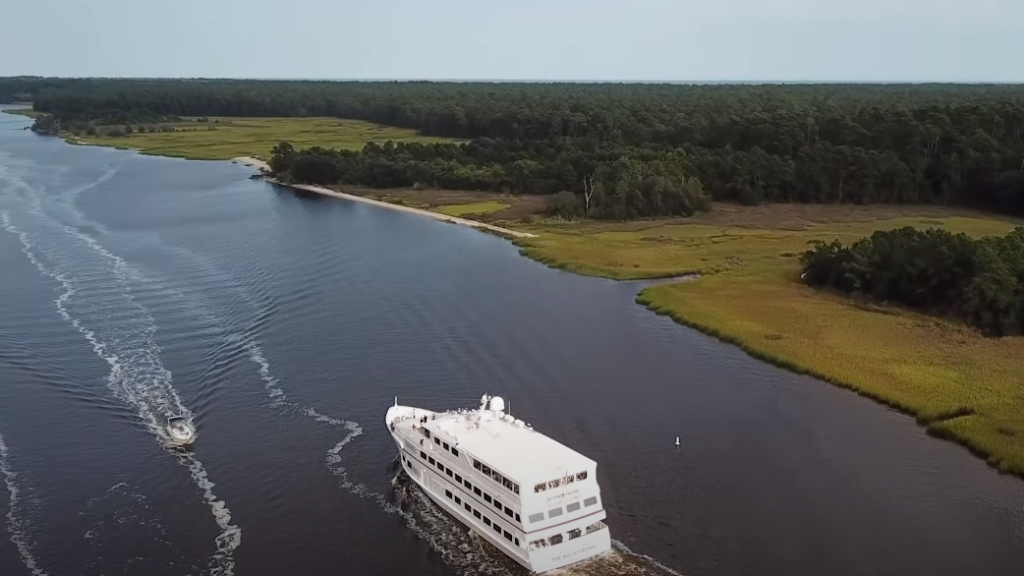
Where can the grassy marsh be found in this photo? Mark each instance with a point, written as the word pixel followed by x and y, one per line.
pixel 472 208
pixel 962 386
pixel 22 112
pixel 226 138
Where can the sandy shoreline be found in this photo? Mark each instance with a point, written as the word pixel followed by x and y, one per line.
pixel 435 215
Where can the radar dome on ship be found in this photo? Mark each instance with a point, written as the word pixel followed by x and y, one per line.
pixel 497 403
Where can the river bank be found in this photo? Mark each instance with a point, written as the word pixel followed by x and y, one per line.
pixel 957 383
pixel 506 232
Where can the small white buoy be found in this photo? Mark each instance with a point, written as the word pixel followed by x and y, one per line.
pixel 677 440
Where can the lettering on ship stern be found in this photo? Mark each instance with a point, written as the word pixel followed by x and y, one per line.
pixel 573 554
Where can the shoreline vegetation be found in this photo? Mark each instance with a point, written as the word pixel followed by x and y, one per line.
pixel 505 232
pixel 957 383
pixel 27 111
pixel 220 138
pixel 761 172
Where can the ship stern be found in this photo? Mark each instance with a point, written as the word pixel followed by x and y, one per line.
pixel 596 541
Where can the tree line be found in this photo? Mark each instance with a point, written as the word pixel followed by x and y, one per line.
pixel 633 149
pixel 979 281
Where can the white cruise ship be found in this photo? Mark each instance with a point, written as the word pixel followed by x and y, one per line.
pixel 533 498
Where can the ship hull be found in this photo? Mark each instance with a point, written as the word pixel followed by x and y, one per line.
pixel 435 487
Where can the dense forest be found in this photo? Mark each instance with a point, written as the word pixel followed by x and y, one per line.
pixel 979 281
pixel 621 150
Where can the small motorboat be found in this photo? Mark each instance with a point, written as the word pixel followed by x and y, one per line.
pixel 180 431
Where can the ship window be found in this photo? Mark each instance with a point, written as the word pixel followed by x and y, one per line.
pixel 555 512
pixel 556 539
pixel 554 483
pixel 458 500
pixel 496 477
pixel 540 487
pixel 497 505
pixel 423 455
pixel 476 464
pixel 517 518
pixel 446 446
pixel 496 528
pixel 572 507
pixel 485 469
pixel 582 475
pixel 538 517
pixel 430 459
pixel 468 485
pixel 426 433
pixel 590 501
pixel 477 514
pixel 468 507
pixel 506 483
pixel 455 451
pixel 508 536
pixel 515 488
pixel 487 520
pixel 517 541
pixel 458 479
pixel 477 491
pixel 568 480
pixel 508 512
pixel 574 534
pixel 487 497
pixel 448 493
pixel 448 471
pixel 437 441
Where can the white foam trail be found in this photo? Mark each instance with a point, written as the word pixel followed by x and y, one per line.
pixel 14 525
pixel 137 376
pixel 623 549
pixel 458 547
pixel 230 537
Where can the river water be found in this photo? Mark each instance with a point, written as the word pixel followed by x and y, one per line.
pixel 133 287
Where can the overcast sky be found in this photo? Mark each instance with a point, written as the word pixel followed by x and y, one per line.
pixel 801 40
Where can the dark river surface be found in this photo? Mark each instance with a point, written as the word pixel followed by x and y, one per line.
pixel 134 287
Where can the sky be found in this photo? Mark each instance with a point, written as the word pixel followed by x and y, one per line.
pixel 575 40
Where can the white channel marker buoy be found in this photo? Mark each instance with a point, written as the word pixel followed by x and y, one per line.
pixel 677 441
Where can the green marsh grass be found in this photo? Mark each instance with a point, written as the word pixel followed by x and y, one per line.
pixel 227 138
pixel 962 386
pixel 22 112
pixel 472 208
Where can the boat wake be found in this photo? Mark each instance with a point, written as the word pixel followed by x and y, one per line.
pixel 95 297
pixel 19 532
pixel 459 547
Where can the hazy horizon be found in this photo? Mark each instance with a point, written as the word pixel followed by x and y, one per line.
pixel 528 80
pixel 648 41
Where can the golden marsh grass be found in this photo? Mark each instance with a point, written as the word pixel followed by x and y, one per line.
pixel 234 137
pixel 962 386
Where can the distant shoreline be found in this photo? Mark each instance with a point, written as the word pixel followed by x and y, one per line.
pixel 505 232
